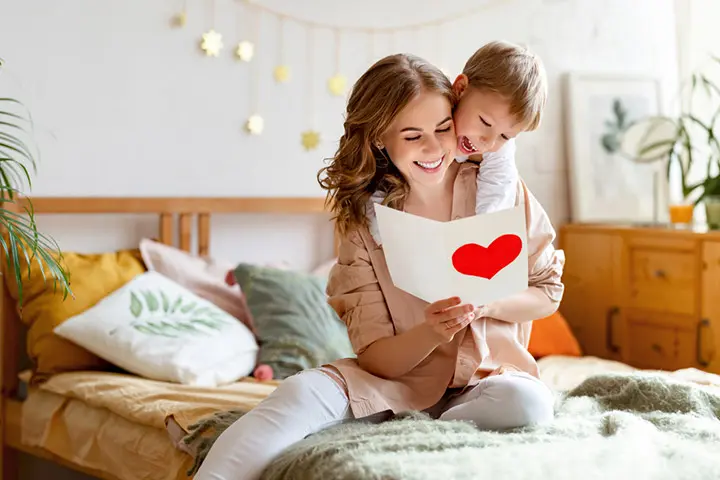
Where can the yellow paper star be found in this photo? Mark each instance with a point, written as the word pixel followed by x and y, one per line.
pixel 180 20
pixel 245 51
pixel 337 84
pixel 212 43
pixel 255 125
pixel 310 139
pixel 282 73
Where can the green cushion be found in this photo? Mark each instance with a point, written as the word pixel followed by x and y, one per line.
pixel 296 327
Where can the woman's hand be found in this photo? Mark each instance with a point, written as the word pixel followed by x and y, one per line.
pixel 447 317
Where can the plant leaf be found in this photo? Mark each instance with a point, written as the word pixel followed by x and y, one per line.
pixel 165 302
pixel 135 305
pixel 151 301
pixel 188 307
pixel 176 305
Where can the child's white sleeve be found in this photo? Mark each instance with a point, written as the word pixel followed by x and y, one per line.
pixel 497 180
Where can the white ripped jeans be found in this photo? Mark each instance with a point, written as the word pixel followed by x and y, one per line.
pixel 308 401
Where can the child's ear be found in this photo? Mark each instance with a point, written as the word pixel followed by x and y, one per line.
pixel 460 85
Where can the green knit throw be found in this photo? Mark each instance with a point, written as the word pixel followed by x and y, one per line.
pixel 616 426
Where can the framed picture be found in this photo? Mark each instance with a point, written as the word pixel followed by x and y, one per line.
pixel 606 184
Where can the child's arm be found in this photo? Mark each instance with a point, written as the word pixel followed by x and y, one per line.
pixel 354 293
pixel 543 296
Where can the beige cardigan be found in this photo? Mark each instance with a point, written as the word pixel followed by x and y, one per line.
pixel 361 291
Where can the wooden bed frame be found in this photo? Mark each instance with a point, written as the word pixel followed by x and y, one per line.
pixel 173 213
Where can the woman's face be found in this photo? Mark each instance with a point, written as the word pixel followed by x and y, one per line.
pixel 482 120
pixel 421 139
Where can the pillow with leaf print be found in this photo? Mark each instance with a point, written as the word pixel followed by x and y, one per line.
pixel 158 329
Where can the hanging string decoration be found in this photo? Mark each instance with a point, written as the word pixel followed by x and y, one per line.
pixel 211 41
pixel 281 72
pixel 255 123
pixel 179 20
pixel 337 84
pixel 245 50
pixel 310 139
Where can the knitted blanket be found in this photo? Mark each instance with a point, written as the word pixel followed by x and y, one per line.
pixel 630 426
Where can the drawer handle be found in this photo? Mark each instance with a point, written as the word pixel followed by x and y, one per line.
pixel 657 348
pixel 698 338
pixel 611 313
pixel 660 274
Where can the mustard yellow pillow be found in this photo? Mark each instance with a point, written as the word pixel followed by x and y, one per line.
pixel 92 278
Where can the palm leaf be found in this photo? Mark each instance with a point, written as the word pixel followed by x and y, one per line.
pixel 21 239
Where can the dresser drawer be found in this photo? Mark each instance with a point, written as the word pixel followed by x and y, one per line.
pixel 659 347
pixel 664 280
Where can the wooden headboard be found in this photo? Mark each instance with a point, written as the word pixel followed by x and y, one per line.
pixel 174 214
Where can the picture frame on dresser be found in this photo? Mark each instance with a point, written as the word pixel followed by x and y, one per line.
pixel 606 184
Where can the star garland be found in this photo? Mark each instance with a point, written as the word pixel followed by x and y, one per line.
pixel 212 45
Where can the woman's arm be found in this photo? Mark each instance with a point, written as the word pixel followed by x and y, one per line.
pixel 354 293
pixel 545 290
pixel 392 357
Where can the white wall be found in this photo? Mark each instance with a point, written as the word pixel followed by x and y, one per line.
pixel 126 105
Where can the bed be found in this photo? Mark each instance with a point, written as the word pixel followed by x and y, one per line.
pixel 123 427
pixel 92 421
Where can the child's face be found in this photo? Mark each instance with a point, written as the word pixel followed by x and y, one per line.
pixel 483 122
pixel 421 140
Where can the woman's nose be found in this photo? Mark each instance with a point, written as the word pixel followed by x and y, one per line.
pixel 433 146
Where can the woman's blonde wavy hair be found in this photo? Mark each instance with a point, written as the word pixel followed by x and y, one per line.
pixel 359 168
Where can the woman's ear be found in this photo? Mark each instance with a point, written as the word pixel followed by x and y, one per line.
pixel 460 85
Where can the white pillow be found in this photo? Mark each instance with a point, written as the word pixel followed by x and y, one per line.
pixel 160 330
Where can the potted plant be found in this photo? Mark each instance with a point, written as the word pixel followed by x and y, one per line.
pixel 680 141
pixel 20 239
pixel 710 196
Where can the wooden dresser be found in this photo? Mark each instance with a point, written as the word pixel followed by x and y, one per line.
pixel 649 297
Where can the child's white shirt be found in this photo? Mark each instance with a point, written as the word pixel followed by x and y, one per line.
pixel 497 180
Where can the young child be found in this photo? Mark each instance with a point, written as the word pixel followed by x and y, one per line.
pixel 491 90
pixel 445 358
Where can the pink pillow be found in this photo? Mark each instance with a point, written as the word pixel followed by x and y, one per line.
pixel 203 276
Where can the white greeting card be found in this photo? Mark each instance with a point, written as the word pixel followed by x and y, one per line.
pixel 480 259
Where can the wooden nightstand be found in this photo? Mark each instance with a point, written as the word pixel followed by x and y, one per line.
pixel 646 296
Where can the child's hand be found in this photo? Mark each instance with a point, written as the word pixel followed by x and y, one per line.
pixel 447 317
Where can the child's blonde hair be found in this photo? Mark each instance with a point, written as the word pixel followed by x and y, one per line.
pixel 513 72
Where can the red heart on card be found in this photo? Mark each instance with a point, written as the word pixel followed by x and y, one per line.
pixel 485 262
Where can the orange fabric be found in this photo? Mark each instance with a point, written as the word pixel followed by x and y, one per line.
pixel 552 336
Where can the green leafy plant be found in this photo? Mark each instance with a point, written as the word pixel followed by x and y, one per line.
pixel 157 314
pixel 693 137
pixel 21 238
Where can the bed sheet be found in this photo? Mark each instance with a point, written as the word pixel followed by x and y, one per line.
pixel 132 427
pixel 564 373
pixel 119 423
